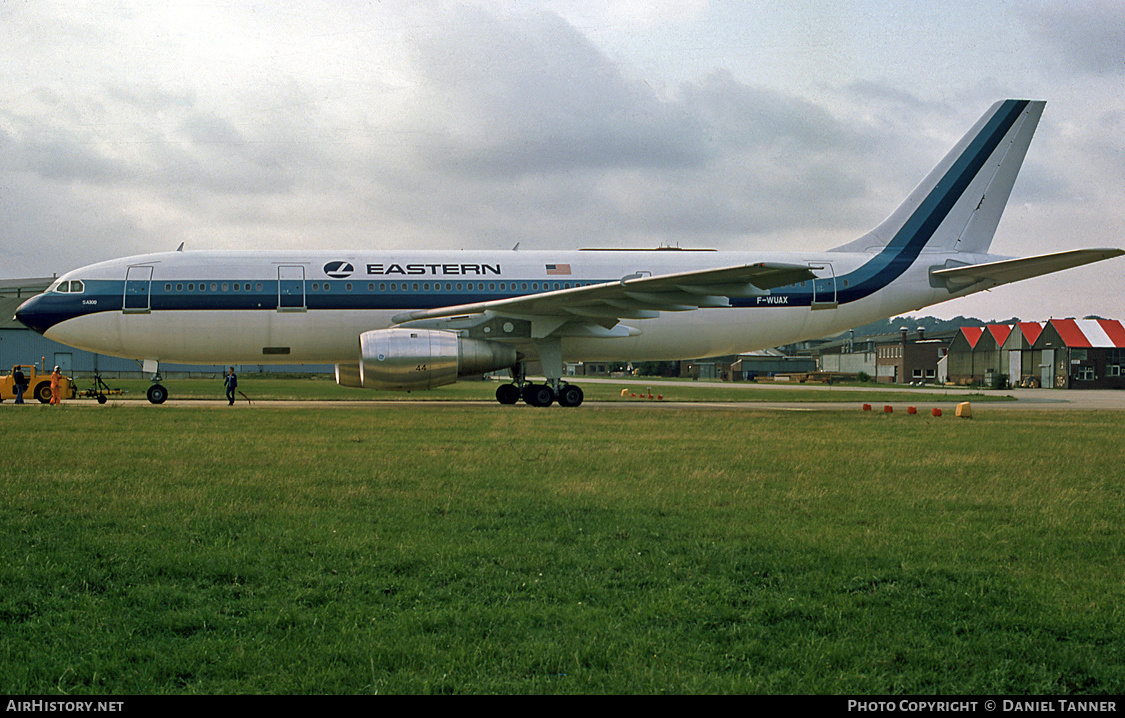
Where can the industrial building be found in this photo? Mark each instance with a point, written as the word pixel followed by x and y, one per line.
pixel 903 358
pixel 1060 353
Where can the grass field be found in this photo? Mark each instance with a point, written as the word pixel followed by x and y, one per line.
pixel 479 549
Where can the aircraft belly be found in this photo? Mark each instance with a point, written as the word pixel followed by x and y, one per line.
pixel 209 337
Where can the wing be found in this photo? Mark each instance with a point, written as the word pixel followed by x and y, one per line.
pixel 1013 270
pixel 596 309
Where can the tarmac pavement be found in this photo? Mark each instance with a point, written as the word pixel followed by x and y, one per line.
pixel 927 399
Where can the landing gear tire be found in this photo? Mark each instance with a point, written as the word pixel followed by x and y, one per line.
pixel 570 395
pixel 157 394
pixel 507 393
pixel 538 395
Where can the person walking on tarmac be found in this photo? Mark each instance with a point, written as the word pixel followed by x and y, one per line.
pixel 231 383
pixel 21 384
pixel 56 386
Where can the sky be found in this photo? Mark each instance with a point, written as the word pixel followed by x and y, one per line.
pixel 130 127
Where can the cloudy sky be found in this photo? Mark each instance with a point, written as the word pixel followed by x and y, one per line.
pixel 129 127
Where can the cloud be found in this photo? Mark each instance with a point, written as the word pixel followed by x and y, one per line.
pixel 536 97
pixel 1088 35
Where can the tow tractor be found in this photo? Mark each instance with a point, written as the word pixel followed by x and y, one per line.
pixel 38 385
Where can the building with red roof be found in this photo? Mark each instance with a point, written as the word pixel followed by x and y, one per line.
pixel 1060 353
pixel 1081 354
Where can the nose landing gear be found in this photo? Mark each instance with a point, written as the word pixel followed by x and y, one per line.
pixel 157 394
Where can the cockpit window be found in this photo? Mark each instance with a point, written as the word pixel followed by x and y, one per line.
pixel 69 287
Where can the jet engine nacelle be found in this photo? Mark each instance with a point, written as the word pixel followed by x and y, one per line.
pixel 410 359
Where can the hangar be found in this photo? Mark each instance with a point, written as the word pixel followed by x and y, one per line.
pixel 1059 353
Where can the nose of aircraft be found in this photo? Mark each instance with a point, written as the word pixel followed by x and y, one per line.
pixel 32 316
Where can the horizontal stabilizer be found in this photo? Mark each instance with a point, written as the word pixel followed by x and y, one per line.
pixel 1013 270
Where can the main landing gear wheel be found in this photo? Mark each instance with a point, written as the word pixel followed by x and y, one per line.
pixel 570 395
pixel 538 395
pixel 157 394
pixel 507 393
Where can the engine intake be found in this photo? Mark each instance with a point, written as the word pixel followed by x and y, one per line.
pixel 410 359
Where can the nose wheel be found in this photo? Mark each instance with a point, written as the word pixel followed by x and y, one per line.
pixel 157 394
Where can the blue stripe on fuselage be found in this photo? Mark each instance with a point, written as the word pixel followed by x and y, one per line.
pixel 46 310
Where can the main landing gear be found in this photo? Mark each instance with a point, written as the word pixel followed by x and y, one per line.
pixel 540 394
pixel 554 390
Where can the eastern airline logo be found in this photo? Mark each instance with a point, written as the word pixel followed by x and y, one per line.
pixel 339 270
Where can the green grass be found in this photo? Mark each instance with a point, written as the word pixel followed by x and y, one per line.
pixel 479 549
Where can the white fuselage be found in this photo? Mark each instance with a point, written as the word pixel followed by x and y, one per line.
pixel 226 307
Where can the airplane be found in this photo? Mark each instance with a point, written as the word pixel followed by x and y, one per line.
pixel 394 319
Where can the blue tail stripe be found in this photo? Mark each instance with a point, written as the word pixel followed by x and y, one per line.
pixel 917 231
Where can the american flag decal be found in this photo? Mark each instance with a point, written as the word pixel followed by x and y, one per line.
pixel 558 269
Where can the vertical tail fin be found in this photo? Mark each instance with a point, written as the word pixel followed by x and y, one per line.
pixel 958 205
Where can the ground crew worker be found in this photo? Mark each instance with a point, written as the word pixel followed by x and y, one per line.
pixel 231 383
pixel 56 386
pixel 21 384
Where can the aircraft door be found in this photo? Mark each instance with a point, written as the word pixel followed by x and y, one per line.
pixel 291 288
pixel 824 286
pixel 138 280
